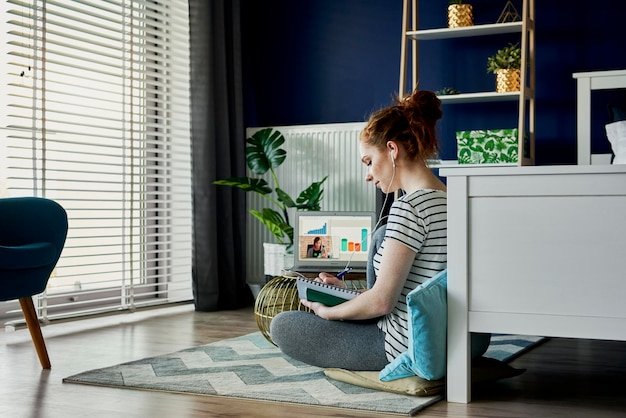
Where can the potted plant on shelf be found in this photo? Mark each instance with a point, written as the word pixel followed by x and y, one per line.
pixel 506 64
pixel 264 154
pixel 459 14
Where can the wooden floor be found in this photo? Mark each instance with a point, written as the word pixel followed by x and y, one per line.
pixel 564 377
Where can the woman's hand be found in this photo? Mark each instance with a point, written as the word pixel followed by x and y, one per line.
pixel 317 308
pixel 330 279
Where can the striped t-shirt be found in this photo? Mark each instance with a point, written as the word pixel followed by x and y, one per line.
pixel 418 220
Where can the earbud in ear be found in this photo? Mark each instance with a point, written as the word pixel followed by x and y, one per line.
pixel 393 160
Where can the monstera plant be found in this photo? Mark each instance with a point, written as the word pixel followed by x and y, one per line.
pixel 263 154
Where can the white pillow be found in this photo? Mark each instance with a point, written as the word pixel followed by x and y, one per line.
pixel 616 133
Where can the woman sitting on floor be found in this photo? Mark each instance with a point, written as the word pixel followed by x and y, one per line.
pixel 369 331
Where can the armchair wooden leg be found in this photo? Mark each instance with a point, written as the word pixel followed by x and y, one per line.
pixel 30 314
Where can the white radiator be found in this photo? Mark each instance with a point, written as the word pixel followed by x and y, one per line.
pixel 313 151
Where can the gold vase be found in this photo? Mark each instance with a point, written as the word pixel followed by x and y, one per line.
pixel 460 15
pixel 508 80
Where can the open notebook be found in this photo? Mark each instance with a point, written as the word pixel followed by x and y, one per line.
pixel 345 240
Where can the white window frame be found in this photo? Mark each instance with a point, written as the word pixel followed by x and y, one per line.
pixel 149 185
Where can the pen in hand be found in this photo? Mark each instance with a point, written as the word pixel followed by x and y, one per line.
pixel 343 273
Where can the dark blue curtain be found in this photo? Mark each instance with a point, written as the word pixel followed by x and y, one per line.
pixel 218 144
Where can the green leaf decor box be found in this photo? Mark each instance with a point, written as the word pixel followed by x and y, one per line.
pixel 496 146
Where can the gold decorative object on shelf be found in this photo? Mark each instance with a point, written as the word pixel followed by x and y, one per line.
pixel 506 65
pixel 508 80
pixel 460 14
pixel 278 295
pixel 509 14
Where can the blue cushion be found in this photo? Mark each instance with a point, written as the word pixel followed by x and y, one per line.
pixel 428 321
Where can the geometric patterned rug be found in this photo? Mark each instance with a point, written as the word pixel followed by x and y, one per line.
pixel 251 367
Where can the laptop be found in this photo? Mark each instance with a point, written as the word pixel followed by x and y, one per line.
pixel 344 241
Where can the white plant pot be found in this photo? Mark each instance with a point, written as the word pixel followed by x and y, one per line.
pixel 276 259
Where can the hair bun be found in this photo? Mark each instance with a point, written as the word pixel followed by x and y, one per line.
pixel 410 121
pixel 422 104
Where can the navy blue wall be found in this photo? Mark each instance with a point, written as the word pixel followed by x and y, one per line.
pixel 329 61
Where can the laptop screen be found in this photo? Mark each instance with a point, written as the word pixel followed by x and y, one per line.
pixel 330 241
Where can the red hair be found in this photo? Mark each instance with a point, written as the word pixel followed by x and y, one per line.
pixel 410 121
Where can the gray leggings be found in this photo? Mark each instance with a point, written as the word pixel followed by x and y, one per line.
pixel 352 345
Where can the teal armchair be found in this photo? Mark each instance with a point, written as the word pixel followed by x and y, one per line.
pixel 32 235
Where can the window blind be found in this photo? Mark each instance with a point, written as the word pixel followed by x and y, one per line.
pixel 95 115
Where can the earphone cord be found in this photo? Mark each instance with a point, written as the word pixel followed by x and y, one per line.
pixel 380 218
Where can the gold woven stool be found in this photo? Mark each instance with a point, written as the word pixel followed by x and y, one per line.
pixel 278 295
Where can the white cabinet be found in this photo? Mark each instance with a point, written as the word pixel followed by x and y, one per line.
pixel 543 276
pixel 526 97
